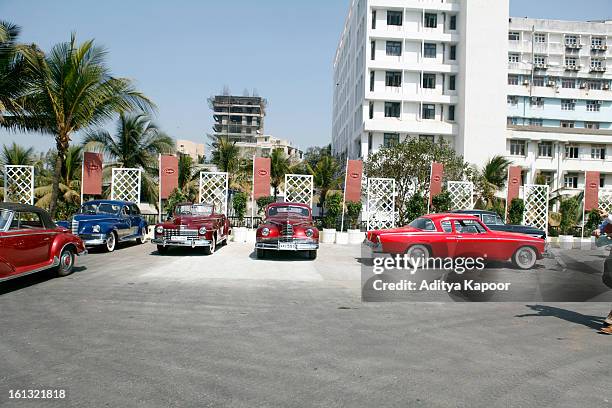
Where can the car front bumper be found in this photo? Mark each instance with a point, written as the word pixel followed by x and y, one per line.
pixel 288 244
pixel 93 239
pixel 376 247
pixel 192 243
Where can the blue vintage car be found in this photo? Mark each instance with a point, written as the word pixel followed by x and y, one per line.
pixel 106 222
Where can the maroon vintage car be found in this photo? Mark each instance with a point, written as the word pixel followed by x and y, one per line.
pixel 457 236
pixel 287 227
pixel 193 225
pixel 31 242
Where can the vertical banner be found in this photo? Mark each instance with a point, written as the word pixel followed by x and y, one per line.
pixel 92 174
pixel 168 175
pixel 514 183
pixel 261 177
pixel 591 190
pixel 435 180
pixel 352 187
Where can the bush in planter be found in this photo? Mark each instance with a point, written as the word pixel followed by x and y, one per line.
pixel 593 221
pixel 333 206
pixel 262 202
pixel 441 202
pixel 569 214
pixel 353 208
pixel 177 196
pixel 239 202
pixel 516 211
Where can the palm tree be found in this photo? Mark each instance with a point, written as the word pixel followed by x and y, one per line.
pixel 72 89
pixel 279 166
pixel 70 183
pixel 188 176
pixel 325 176
pixel 16 155
pixel 137 143
pixel 225 154
pixel 491 179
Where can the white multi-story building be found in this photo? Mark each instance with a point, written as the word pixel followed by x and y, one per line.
pixel 559 101
pixel 422 68
pixel 263 145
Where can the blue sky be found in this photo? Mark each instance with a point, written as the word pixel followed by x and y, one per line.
pixel 181 52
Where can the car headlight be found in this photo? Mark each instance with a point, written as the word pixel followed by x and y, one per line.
pixel 95 228
pixel 309 232
pixel 265 231
pixel 159 229
pixel 202 230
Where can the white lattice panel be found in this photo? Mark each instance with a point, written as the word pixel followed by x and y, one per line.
pixel 19 184
pixel 461 194
pixel 125 184
pixel 299 188
pixel 535 197
pixel 213 189
pixel 380 203
pixel 605 200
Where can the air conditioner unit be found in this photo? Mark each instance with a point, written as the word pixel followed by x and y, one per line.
pixel 526 82
pixel 583 85
pixel 598 102
pixel 552 83
pixel 541 66
pixel 573 100
pixel 606 87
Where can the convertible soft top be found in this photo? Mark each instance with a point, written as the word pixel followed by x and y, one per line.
pixel 44 215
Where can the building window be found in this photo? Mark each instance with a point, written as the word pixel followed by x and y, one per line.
pixel 369 141
pixel 568 83
pixel 431 20
pixel 451 113
pixel 392 109
pixel 517 147
pixel 596 63
pixel 598 152
pixel 394 18
pixel 513 58
pixel 372 50
pixel 593 106
pixel 597 41
pixel 429 50
pixel 512 121
pixel 571 152
pixel 602 182
pixel 513 80
pixel 535 122
pixel 394 48
pixel 429 111
pixel 570 62
pixel 512 100
pixel 594 85
pixel 371 110
pixel 453 53
pixel 591 125
pixel 371 81
pixel 568 104
pixel 514 36
pixel 571 40
pixel 570 180
pixel 538 81
pixel 429 81
pixel 545 149
pixel 567 124
pixel 539 38
pixel 393 78
pixel 429 138
pixel 451 82
pixel 538 102
pixel 373 19
pixel 539 60
pixel 390 139
pixel 453 23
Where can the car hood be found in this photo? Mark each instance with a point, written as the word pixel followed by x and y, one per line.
pixel 288 219
pixel 516 235
pixel 191 220
pixel 95 217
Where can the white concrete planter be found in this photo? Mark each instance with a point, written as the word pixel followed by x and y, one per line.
pixel 240 234
pixel 251 236
pixel 328 236
pixel 587 243
pixel 553 240
pixel 566 241
pixel 342 238
pixel 356 237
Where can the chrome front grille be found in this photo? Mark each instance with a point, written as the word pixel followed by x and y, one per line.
pixel 75 227
pixel 183 232
pixel 287 230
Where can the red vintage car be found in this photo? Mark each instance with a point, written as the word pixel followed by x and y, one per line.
pixel 194 226
pixel 454 236
pixel 31 242
pixel 287 227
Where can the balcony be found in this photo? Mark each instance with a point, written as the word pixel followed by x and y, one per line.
pixel 599 47
pixel 572 67
pixel 597 68
pixel 572 46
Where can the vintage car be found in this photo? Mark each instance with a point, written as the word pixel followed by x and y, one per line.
pixel 106 222
pixel 492 220
pixel 31 242
pixel 287 227
pixel 457 235
pixel 193 225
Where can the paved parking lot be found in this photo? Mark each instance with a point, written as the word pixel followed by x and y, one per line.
pixel 134 328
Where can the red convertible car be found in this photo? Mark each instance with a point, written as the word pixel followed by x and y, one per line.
pixel 31 242
pixel 454 236
pixel 287 227
pixel 193 225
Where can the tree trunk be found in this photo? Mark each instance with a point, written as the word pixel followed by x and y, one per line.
pixel 57 174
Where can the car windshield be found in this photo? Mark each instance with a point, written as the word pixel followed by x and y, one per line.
pixel 195 209
pixel 289 209
pixel 4 218
pixel 99 208
pixel 423 223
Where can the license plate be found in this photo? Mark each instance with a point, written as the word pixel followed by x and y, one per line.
pixel 178 238
pixel 286 245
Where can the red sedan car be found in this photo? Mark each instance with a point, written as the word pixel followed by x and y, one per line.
pixel 31 242
pixel 454 236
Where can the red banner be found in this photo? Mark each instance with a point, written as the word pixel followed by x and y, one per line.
pixel 591 190
pixel 435 182
pixel 92 173
pixel 514 183
pixel 261 177
pixel 354 170
pixel 168 175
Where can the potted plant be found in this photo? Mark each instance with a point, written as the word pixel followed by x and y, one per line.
pixel 239 203
pixel 333 207
pixel 569 213
pixel 593 221
pixel 353 209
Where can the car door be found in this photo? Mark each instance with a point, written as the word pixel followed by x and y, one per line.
pixel 135 218
pixel 473 240
pixel 27 243
pixel 124 223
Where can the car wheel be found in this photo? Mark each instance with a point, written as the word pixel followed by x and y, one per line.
pixel 312 254
pixel 111 242
pixel 161 249
pixel 66 264
pixel 209 250
pixel 418 251
pixel 141 239
pixel 260 253
pixel 524 258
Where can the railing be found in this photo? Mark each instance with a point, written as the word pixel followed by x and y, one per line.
pixel 317 221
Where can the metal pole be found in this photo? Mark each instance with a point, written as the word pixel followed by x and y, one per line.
pixel 159 208
pixel 344 195
pixel 5 185
pixel 253 193
pixel 429 198
pixel 82 177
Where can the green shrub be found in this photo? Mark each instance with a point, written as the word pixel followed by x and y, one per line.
pixel 353 208
pixel 441 202
pixel 239 202
pixel 262 202
pixel 593 221
pixel 176 197
pixel 333 207
pixel 498 207
pixel 569 210
pixel 516 211
pixel 415 207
